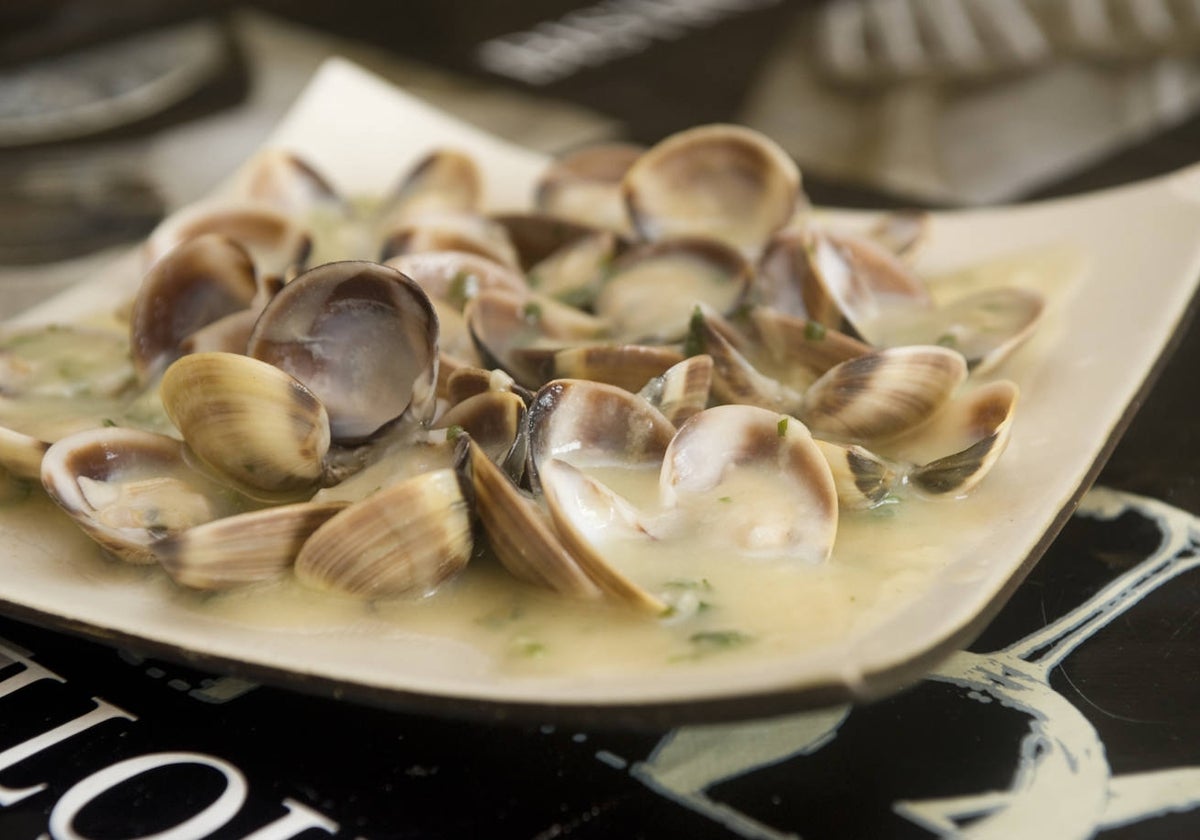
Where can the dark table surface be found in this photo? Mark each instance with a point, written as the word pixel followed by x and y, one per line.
pixel 1087 727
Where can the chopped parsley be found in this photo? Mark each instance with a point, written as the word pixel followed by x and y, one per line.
pixel 694 343
pixel 814 331
pixel 782 426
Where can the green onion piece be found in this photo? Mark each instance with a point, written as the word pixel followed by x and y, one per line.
pixel 693 342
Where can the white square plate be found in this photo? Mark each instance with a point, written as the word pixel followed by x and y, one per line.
pixel 1128 263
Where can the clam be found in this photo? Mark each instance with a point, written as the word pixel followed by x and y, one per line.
pixel 282 179
pixel 198 282
pixel 946 457
pixel 495 420
pixel 450 232
pixel 574 273
pixel 755 480
pixel 277 243
pixel 902 232
pixel 444 182
pixel 682 390
pixel 404 540
pixel 521 535
pixel 521 333
pixel 585 185
pixel 128 489
pixel 985 327
pixel 721 182
pixel 590 424
pixel 244 548
pixel 628 366
pixel 652 290
pixel 974 430
pixel 250 421
pixel 21 454
pixel 362 338
pixel 882 394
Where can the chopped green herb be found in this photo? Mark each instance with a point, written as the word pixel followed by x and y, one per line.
pixel 814 331
pixel 947 340
pixel 454 432
pixel 108 423
pixel 688 583
pixel 714 640
pixel 463 287
pixel 533 311
pixel 528 647
pixel 726 499
pixel 693 342
pixel 782 426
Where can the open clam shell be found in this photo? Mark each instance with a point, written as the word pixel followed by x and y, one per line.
pixel 128 489
pixel 974 429
pixel 985 327
pixel 276 242
pixel 521 333
pixel 362 337
pixel 200 281
pixel 521 535
pixel 445 181
pixel 755 479
pixel 652 290
pixel 282 179
pixel 589 423
pixel 720 182
pixel 585 185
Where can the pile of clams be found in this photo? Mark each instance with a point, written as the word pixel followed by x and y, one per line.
pixel 372 395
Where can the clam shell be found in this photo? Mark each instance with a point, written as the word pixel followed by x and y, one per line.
pixel 882 394
pixel 862 478
pixel 574 273
pixel 457 276
pixel 197 283
pixel 628 366
pixel 720 182
pixel 496 421
pixel 985 327
pixel 405 540
pixel 588 517
pixel 21 454
pixel 362 337
pixel 450 232
pixel 867 283
pixel 585 185
pixel 682 390
pixel 242 549
pixel 521 534
pixel 521 333
pixel 128 489
pixel 282 179
pixel 652 290
pixel 248 420
pixel 981 424
pixel 445 181
pixel 717 464
pixel 592 423
pixel 277 244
